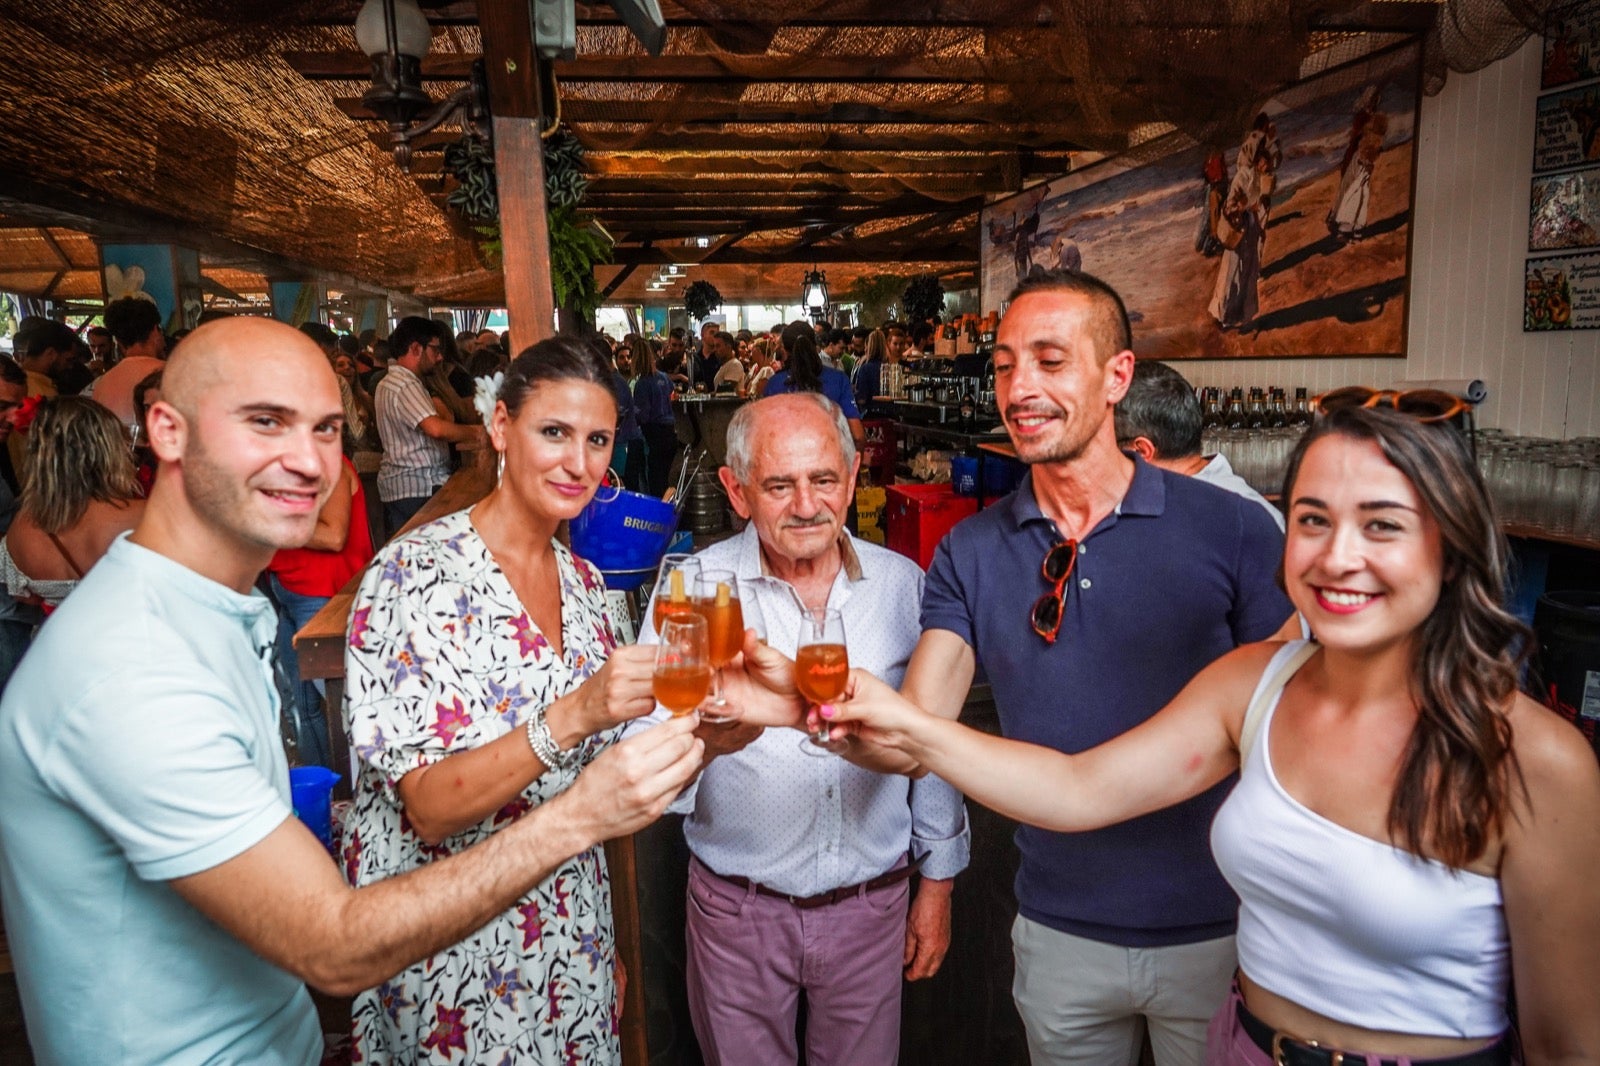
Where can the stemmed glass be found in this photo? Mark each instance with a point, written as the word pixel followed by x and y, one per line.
pixel 821 667
pixel 674 588
pixel 716 597
pixel 683 667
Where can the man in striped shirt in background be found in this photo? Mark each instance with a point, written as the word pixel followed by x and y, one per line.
pixel 416 437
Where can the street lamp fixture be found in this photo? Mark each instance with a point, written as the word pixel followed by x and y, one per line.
pixel 395 34
pixel 814 294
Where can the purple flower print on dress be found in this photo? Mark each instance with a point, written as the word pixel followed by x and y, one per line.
pixel 394 1000
pixel 504 984
pixel 509 700
pixel 589 948
pixel 358 628
pixel 448 721
pixel 465 613
pixel 552 996
pixel 373 748
pixel 528 640
pixel 394 571
pixel 449 1031
pixel 405 664
pixel 560 889
pixel 532 925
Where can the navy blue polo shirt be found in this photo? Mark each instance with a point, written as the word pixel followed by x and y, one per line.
pixel 1181 573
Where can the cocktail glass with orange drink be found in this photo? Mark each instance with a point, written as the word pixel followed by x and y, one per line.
pixel 821 668
pixel 683 667
pixel 674 589
pixel 716 598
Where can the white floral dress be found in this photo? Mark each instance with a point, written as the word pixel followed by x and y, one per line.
pixel 442 658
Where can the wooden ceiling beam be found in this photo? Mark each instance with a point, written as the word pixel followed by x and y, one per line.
pixel 962 254
pixel 690 114
pixel 997 140
pixel 957 160
pixel 710 70
pixel 777 185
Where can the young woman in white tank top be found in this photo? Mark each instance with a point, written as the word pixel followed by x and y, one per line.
pixel 1411 835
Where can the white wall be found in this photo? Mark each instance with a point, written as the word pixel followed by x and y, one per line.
pixel 1469 242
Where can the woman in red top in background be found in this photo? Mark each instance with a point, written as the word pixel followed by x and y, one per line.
pixel 302 580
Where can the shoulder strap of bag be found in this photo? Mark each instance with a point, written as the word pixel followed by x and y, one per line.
pixel 1266 696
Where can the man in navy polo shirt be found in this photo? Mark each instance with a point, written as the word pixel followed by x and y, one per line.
pixel 1091 596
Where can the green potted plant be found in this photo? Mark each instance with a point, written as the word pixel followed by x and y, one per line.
pixel 700 299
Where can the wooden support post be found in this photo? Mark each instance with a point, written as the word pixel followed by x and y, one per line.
pixel 524 230
pixel 512 69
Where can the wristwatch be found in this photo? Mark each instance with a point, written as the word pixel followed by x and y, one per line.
pixel 544 745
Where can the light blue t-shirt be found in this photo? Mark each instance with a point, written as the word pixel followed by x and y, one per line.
pixel 139 743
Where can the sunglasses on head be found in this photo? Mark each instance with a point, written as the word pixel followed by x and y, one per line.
pixel 1047 609
pixel 1425 405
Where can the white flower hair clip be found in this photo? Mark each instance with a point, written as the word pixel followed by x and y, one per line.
pixel 485 393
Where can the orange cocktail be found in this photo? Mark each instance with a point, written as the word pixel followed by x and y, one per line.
pixel 820 671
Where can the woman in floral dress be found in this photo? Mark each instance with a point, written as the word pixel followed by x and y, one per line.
pixel 475 642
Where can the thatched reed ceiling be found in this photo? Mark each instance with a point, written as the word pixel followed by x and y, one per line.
pixel 856 134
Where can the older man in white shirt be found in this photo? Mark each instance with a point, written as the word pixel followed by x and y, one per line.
pixel 802 864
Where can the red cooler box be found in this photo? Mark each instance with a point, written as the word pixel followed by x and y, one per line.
pixel 918 517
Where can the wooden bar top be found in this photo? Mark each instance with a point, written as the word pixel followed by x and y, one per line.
pixel 320 643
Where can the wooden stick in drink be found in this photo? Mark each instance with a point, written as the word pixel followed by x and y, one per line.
pixel 675 604
pixel 724 624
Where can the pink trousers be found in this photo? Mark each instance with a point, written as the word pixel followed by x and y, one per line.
pixel 750 956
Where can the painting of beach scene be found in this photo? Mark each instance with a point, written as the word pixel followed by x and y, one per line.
pixel 1292 240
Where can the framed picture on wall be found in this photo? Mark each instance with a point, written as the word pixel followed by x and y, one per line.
pixel 1571 46
pixel 1564 211
pixel 1292 240
pixel 1561 292
pixel 1567 132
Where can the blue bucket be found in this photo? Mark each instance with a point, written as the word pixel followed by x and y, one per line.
pixel 964 475
pixel 623 530
pixel 311 789
pixel 627 580
pixel 1001 475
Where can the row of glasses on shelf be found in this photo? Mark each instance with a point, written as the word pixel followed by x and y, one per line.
pixel 1552 486
pixel 1260 456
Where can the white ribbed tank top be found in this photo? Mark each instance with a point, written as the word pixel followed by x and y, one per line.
pixel 1350 927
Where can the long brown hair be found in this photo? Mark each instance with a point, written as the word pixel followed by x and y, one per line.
pixel 1458 773
pixel 77 452
pixel 644 357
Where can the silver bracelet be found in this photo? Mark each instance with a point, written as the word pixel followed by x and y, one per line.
pixel 544 745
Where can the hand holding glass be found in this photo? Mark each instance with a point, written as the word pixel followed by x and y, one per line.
pixel 683 667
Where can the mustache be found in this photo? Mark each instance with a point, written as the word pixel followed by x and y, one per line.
pixel 823 517
pixel 1023 410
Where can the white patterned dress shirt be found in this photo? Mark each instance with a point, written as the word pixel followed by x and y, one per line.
pixel 803 824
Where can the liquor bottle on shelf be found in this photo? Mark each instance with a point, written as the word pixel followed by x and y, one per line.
pixel 1277 410
pixel 1301 415
pixel 1233 410
pixel 1255 413
pixel 1211 409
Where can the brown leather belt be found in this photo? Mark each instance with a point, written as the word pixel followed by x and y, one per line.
pixel 1287 1051
pixel 829 898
